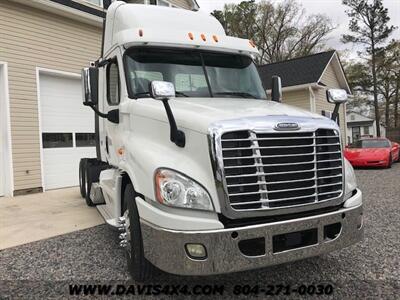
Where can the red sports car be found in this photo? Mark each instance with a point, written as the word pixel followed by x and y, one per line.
pixel 372 152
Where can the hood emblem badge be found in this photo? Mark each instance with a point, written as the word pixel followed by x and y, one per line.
pixel 287 126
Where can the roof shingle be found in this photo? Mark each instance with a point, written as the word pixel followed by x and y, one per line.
pixel 297 71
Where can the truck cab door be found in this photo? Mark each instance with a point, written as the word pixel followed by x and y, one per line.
pixel 110 132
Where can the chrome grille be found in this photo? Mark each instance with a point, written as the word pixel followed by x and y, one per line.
pixel 279 170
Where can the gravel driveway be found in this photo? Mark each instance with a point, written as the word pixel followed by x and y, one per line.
pixel 370 269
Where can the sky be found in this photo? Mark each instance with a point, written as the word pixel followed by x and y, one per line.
pixel 333 9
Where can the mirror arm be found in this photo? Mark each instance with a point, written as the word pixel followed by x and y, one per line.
pixel 335 113
pixel 102 63
pixel 176 136
pixel 99 113
pixel 112 116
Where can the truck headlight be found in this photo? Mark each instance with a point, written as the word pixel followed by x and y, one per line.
pixel 175 189
pixel 350 177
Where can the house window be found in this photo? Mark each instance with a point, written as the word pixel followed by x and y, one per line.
pixel 57 140
pixel 161 3
pixel 356 134
pixel 85 139
pixel 366 130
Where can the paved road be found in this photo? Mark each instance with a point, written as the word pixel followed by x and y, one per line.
pixel 370 269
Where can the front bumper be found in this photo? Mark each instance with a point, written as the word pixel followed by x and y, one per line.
pixel 369 163
pixel 166 248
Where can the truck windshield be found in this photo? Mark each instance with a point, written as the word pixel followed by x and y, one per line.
pixel 194 73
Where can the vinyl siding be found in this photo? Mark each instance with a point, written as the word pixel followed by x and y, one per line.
pixel 330 80
pixel 298 98
pixel 32 38
pixel 180 3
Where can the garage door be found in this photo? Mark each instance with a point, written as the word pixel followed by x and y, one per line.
pixel 67 130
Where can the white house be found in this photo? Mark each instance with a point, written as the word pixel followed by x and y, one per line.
pixel 359 126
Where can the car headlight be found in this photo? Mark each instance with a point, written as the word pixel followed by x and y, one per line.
pixel 350 177
pixel 175 189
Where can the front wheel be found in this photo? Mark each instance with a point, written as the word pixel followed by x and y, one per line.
pixel 390 162
pixel 139 267
pixel 88 185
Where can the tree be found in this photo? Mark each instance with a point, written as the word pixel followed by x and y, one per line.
pixel 369 25
pixel 281 31
pixel 393 54
pixel 388 64
pixel 238 20
pixel 358 76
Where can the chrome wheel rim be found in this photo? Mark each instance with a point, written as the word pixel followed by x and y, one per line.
pixel 128 232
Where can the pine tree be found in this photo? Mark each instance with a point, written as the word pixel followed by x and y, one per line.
pixel 369 26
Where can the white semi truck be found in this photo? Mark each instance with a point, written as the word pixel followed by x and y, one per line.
pixel 198 170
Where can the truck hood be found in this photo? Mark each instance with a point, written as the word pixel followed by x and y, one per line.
pixel 198 113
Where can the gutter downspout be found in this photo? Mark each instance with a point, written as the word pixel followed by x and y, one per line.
pixel 313 106
pixel 195 5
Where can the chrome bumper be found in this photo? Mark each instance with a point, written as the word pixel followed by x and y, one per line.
pixel 166 248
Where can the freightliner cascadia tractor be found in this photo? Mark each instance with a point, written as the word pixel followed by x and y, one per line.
pixel 200 172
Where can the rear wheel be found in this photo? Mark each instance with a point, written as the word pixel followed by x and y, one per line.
pixel 139 267
pixel 82 176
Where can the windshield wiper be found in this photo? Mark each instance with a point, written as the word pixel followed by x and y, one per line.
pixel 137 95
pixel 181 94
pixel 240 94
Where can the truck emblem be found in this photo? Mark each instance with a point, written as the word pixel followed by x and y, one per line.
pixel 287 126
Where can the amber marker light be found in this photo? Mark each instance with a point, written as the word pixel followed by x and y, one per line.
pixel 215 38
pixel 121 151
pixel 159 177
pixel 203 37
pixel 191 36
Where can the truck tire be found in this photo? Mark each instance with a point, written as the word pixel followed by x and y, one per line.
pixel 139 267
pixel 82 178
pixel 390 161
pixel 88 185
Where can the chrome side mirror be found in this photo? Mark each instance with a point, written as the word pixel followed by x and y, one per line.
pixel 336 96
pixel 90 86
pixel 162 90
